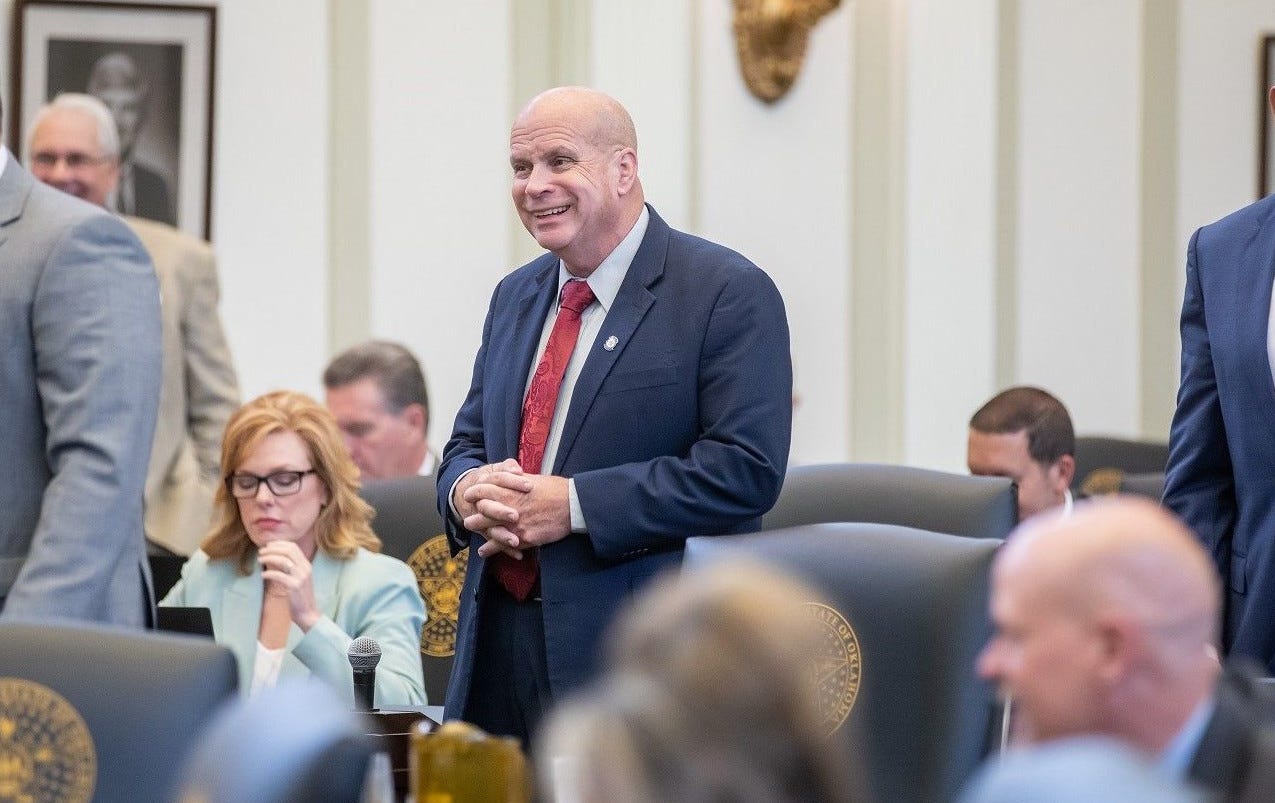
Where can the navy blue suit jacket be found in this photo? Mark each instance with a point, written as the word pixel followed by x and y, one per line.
pixel 682 429
pixel 1221 473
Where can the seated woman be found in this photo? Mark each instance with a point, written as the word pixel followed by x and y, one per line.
pixel 290 569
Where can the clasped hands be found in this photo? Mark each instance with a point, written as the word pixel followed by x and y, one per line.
pixel 513 510
pixel 287 573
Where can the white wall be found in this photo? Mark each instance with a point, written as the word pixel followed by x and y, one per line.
pixel 1078 224
pixel 950 220
pixel 270 185
pixel 439 183
pixel 1219 103
pixel 773 182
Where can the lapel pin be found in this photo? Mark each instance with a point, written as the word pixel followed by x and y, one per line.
pixel 611 343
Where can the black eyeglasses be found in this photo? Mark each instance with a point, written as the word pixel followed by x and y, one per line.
pixel 280 483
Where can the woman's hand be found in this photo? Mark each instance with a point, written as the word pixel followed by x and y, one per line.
pixel 287 574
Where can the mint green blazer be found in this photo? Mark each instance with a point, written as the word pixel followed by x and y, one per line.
pixel 368 595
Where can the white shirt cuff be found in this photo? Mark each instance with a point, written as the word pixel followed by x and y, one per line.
pixel 577 512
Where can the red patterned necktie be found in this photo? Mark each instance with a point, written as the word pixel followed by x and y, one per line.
pixel 519 576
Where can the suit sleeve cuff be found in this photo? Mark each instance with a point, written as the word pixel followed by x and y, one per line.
pixel 451 496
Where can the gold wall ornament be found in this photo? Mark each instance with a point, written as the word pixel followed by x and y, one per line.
pixel 440 577
pixel 836 669
pixel 770 37
pixel 46 751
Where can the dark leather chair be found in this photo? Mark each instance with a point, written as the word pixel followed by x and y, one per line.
pixel 1128 456
pixel 106 711
pixel 410 528
pixel 406 513
pixel 166 570
pixel 979 507
pixel 295 743
pixel 1150 485
pixel 916 602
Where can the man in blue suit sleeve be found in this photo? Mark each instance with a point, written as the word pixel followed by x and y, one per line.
pixel 672 416
pixel 1221 473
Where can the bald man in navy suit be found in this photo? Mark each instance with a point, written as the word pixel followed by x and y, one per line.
pixel 671 418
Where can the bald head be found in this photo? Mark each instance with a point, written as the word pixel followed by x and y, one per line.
pixel 607 123
pixel 1124 554
pixel 1105 622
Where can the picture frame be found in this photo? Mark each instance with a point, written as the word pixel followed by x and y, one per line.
pixel 1266 130
pixel 153 65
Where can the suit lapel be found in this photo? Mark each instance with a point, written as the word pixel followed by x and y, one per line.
pixel 240 620
pixel 325 576
pixel 631 305
pixel 533 307
pixel 15 186
pixel 1260 253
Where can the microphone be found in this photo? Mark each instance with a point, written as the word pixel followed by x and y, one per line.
pixel 364 654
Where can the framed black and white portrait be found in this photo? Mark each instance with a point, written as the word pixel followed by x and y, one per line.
pixel 152 65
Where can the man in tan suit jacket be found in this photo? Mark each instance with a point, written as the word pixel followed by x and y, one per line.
pixel 199 390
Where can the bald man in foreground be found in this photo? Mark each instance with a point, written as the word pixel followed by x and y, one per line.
pixel 1106 623
pixel 633 388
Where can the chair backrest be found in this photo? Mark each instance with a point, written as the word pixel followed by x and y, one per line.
pixel 116 709
pixel 410 528
pixel 1150 485
pixel 294 743
pixel 914 605
pixel 166 570
pixel 1097 452
pixel 406 513
pixel 979 507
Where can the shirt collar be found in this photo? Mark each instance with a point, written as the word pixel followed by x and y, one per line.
pixel 605 281
pixel 4 158
pixel 427 465
pixel 1068 502
pixel 1177 755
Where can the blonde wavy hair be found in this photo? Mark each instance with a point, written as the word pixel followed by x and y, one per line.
pixel 344 524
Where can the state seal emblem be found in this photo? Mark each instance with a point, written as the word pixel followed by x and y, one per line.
pixel 46 752
pixel 440 577
pixel 835 669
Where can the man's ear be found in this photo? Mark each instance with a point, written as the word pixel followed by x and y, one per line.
pixel 1119 643
pixel 627 165
pixel 1271 97
pixel 1064 471
pixel 414 414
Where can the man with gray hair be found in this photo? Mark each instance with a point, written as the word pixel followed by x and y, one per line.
pixel 79 379
pixel 73 146
pixel 1107 624
pixel 376 390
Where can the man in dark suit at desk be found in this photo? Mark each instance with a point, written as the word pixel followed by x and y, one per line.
pixel 1106 624
pixel 633 388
